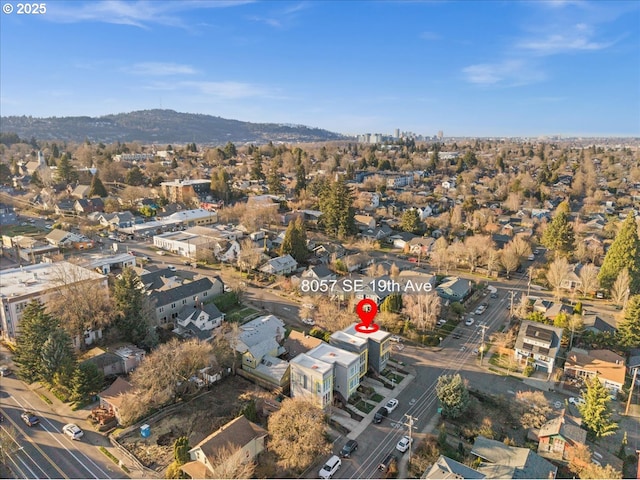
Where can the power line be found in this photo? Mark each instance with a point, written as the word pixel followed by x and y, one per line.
pixel 410 420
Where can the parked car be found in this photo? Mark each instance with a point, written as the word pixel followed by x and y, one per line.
pixel 349 447
pixel 531 257
pixel 73 431
pixel 388 461
pixel 494 295
pixel 391 405
pixel 480 310
pixel 576 401
pixel 309 321
pixel 395 338
pixel 380 414
pixel 30 418
pixel 331 467
pixel 404 443
pixel 171 268
pixel 5 371
pixel 442 321
pixel 469 321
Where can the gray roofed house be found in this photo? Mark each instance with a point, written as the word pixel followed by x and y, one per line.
pixel 502 461
pixel 558 436
pixel 454 289
pixel 117 220
pixel 319 272
pixel 595 323
pixel 539 342
pixel 445 468
pixel 280 265
pixel 198 320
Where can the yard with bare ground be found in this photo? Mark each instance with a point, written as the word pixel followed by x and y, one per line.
pixel 195 419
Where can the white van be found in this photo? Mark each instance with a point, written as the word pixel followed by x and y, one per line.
pixel 331 467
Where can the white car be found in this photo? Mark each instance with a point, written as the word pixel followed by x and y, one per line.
pixel 576 401
pixel 480 310
pixel 395 338
pixel 442 321
pixel 309 321
pixel 331 467
pixel 469 321
pixel 391 405
pixel 73 431
pixel 403 444
pixel 171 268
pixel 531 257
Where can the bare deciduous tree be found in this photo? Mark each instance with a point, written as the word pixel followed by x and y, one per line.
pixel 520 246
pixel 475 249
pixel 423 310
pixel 297 433
pixel 250 256
pixel 509 259
pixel 620 288
pixel 230 463
pixel 534 409
pixel 588 278
pixel 557 273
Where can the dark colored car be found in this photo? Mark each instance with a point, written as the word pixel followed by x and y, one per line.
pixel 30 418
pixel 349 447
pixel 389 460
pixel 380 414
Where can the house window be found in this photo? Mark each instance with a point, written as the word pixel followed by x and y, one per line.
pixel 173 305
pixel 184 301
pixel 161 309
pixel 204 294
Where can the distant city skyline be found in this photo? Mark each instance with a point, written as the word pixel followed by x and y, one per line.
pixel 476 69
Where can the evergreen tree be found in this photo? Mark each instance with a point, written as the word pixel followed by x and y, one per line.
pixel 559 235
pixel 181 450
pixel 134 315
pixel 220 185
pixel 336 205
pixel 295 241
pixel 623 253
pixel 392 304
pixel 410 221
pixel 134 177
pixel 274 183
pixel 87 380
pixel 301 179
pixel 629 327
pixel 453 395
pixel 36 179
pixel 230 150
pixel 58 357
pixel 35 327
pixel 174 164
pixel 97 188
pixel 596 412
pixel 5 173
pixel 256 169
pixel 66 172
pixel 55 151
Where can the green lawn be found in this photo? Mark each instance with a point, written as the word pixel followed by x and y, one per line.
pixel 239 314
pixel 376 397
pixel 394 377
pixel 365 407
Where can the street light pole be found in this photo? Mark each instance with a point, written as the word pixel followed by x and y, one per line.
pixel 409 424
pixel 484 328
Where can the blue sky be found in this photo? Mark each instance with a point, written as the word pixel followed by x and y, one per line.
pixel 471 68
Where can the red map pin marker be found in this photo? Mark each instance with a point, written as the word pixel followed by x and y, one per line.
pixel 366 316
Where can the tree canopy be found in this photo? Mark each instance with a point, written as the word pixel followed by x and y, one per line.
pixel 559 235
pixel 295 241
pixel 596 412
pixel 410 221
pixel 336 205
pixel 623 253
pixel 97 188
pixel 453 395
pixel 134 314
pixel 629 327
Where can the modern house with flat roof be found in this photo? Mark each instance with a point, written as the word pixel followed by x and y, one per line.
pixel 346 368
pixel 312 378
pixel 353 344
pixel 378 345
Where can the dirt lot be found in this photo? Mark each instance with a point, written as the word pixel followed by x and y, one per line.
pixel 196 419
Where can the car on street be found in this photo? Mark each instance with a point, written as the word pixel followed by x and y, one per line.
pixel 536 251
pixel 391 405
pixel 388 462
pixel 469 321
pixel 494 295
pixel 329 469
pixel 404 443
pixel 349 447
pixel 395 338
pixel 380 414
pixel 30 418
pixel 171 268
pixel 442 321
pixel 5 371
pixel 72 431
pixel 576 401
pixel 480 310
pixel 531 257
pixel 309 321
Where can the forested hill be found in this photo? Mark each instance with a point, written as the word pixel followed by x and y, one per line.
pixel 160 126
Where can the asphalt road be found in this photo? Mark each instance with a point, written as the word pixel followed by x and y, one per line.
pixel 43 451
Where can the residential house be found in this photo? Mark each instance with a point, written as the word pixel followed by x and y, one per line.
pixel 283 265
pixel 65 207
pixel 185 191
pixel 111 398
pixel 421 246
pixel 319 272
pixel 592 322
pixel 116 221
pixel 260 344
pixel 449 184
pixel 572 280
pixel 542 305
pixel 85 206
pixel 558 437
pixel 377 233
pixel 63 239
pixel 170 293
pixel 239 439
pixel 130 356
pixel 454 289
pixel 27 250
pixel 104 264
pixel 445 469
pixel 107 362
pixel 401 239
pixel 312 378
pixel 357 261
pixel 498 460
pixel 346 369
pixel 353 344
pixel 20 286
pixel 364 222
pixel 538 343
pixel 299 342
pixel 607 366
pixel 378 346
pixel 199 320
pixel 556 309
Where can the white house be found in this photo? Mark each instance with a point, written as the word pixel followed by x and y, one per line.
pixel 282 265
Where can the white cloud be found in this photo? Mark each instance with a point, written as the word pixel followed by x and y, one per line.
pixel 228 90
pixel 510 73
pixel 161 69
pixel 579 40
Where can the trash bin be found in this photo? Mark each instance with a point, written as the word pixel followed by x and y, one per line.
pixel 145 431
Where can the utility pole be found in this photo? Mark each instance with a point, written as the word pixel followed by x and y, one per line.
pixel 409 424
pixel 513 294
pixel 484 329
pixel 529 284
pixel 633 384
